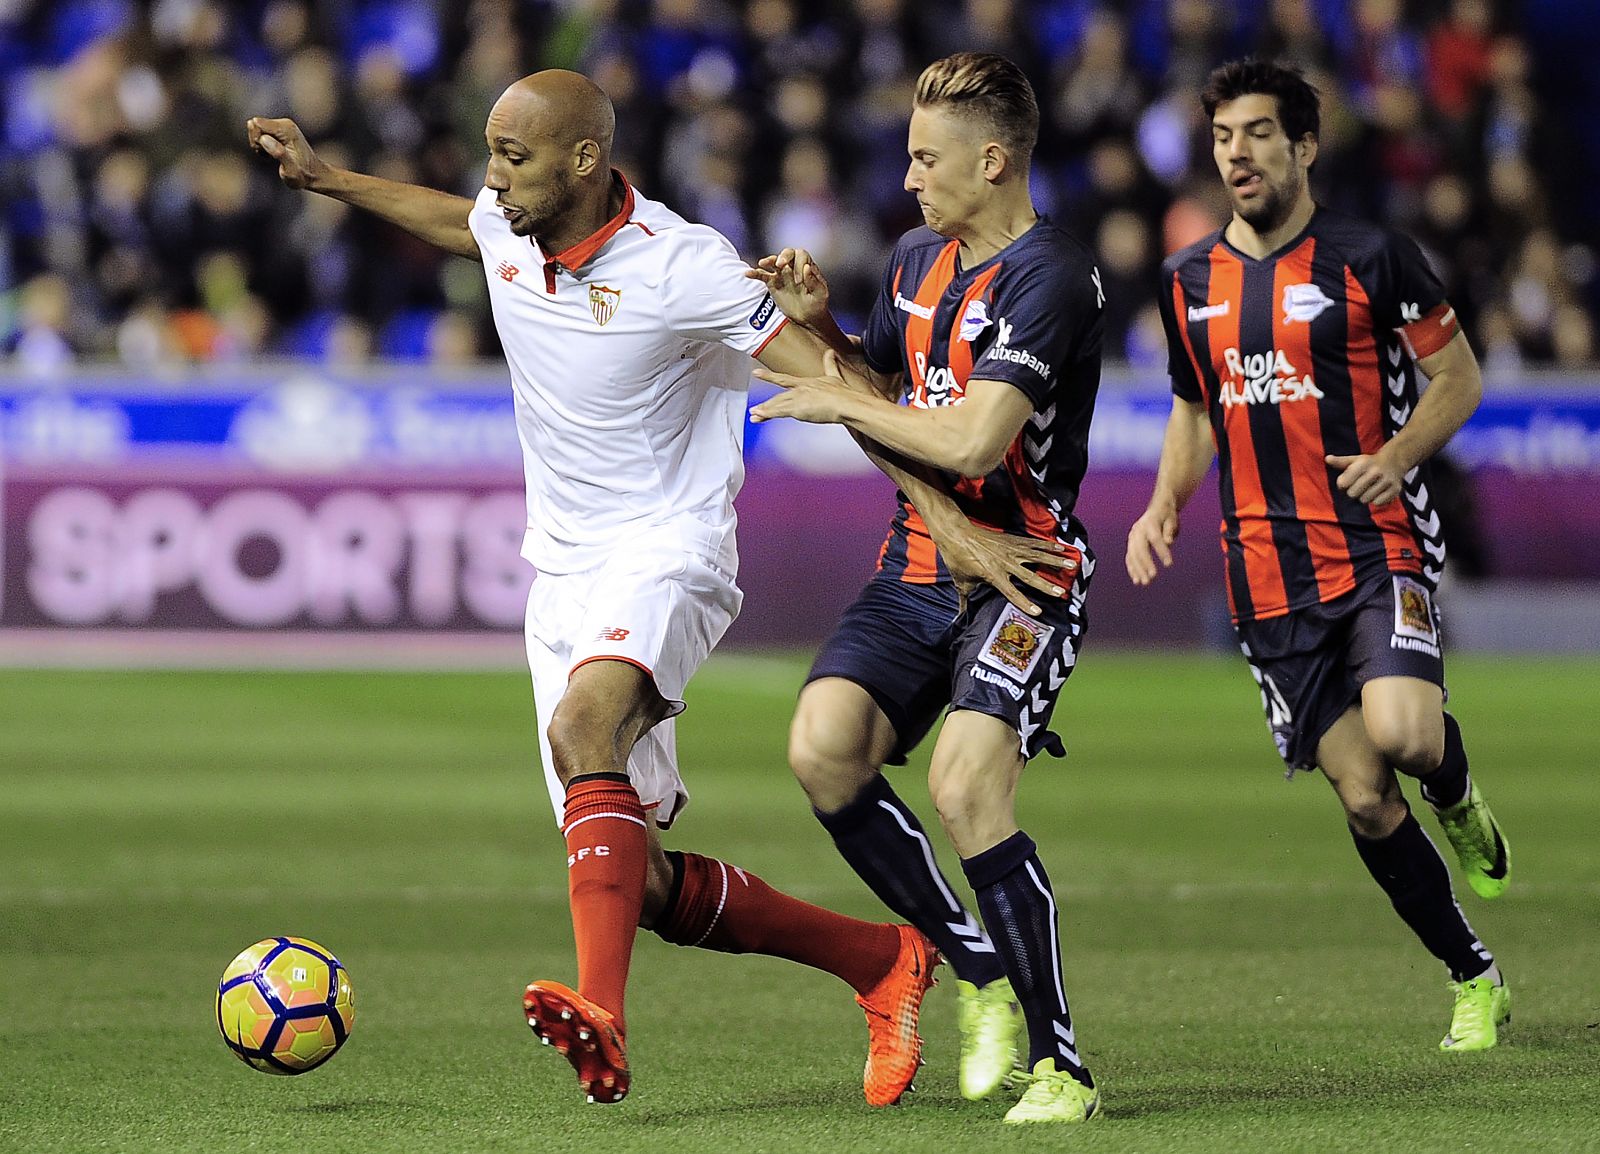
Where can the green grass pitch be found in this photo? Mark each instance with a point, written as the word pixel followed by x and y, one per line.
pixel 1239 983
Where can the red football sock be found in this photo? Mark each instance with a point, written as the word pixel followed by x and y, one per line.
pixel 605 832
pixel 724 908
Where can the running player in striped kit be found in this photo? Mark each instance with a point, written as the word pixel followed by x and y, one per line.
pixel 989 323
pixel 1294 335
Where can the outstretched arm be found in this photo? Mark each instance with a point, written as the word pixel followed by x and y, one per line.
pixel 439 218
pixel 1186 453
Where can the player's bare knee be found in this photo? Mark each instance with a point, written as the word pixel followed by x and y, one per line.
pixel 961 814
pixel 584 740
pixel 968 804
pixel 831 773
pixel 1373 813
pixel 1410 748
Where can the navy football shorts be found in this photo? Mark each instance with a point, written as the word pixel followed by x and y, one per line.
pixel 1311 664
pixel 915 653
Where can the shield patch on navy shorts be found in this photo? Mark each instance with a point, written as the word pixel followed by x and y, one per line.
pixel 1015 644
pixel 1413 610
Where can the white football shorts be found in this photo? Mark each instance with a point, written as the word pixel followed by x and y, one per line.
pixel 660 611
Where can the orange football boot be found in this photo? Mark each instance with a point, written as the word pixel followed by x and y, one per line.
pixel 894 1048
pixel 584 1034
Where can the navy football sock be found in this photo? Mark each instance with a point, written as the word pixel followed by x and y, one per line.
pixel 885 844
pixel 1448 784
pixel 1412 873
pixel 1015 898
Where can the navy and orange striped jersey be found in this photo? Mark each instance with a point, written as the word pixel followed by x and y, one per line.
pixel 1029 316
pixel 1307 352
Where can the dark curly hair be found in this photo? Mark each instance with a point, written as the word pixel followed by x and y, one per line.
pixel 1299 110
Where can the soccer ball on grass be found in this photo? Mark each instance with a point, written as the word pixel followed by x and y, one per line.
pixel 285 1005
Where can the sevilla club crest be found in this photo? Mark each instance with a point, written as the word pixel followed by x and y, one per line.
pixel 603 302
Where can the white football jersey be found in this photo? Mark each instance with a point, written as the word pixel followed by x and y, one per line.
pixel 630 363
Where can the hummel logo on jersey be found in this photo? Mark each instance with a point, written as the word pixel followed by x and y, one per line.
pixel 912 307
pixel 1206 312
pixel 974 321
pixel 1264 379
pixel 603 302
pixel 1304 302
pixel 612 634
pixel 507 270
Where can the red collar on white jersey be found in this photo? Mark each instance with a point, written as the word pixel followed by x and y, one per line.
pixel 580 254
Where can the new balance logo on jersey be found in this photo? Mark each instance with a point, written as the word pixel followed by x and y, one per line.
pixel 912 307
pixel 612 634
pixel 597 851
pixel 1304 302
pixel 506 270
pixel 1264 379
pixel 1001 350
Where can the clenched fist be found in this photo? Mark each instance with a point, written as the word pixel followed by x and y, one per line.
pixel 281 139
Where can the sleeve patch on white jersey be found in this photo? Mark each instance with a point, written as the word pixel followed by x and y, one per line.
pixel 763 313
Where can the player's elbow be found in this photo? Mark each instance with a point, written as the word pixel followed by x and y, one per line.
pixel 977 457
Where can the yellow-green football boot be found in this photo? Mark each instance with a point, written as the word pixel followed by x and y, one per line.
pixel 1481 1009
pixel 991 1025
pixel 1053 1096
pixel 1480 847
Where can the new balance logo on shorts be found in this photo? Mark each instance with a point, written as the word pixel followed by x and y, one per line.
pixel 612 634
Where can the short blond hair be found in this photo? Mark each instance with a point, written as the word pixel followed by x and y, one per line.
pixel 989 90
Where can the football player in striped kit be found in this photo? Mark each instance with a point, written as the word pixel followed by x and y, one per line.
pixel 1294 338
pixel 989 323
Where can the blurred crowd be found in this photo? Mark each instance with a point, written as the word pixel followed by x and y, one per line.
pixel 135 226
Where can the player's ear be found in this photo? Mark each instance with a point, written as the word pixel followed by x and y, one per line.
pixel 585 157
pixel 1306 150
pixel 996 162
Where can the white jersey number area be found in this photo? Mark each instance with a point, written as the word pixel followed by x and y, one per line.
pixel 630 361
